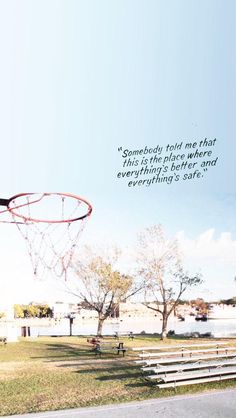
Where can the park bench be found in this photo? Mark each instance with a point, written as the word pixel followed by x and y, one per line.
pixel 189 353
pixel 154 352
pixel 195 381
pixel 187 366
pixel 108 347
pixel 130 335
pixel 197 376
pixel 3 340
pixel 181 347
pixel 184 366
pixel 183 359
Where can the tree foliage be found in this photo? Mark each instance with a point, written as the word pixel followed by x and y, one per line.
pixel 230 301
pixel 200 305
pixel 99 282
pixel 32 311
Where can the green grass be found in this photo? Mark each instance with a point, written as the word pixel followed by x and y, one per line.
pixel 56 373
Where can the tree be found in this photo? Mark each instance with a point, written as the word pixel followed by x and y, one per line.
pixel 99 284
pixel 18 311
pixel 230 301
pixel 44 311
pixel 32 311
pixel 200 305
pixel 161 267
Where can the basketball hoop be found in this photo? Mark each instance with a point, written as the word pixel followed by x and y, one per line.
pixel 51 224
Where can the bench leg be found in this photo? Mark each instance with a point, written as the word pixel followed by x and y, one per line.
pixel 97 352
pixel 122 350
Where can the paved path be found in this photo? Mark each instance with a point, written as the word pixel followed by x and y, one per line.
pixel 218 404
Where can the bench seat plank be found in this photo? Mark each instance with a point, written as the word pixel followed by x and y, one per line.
pixel 167 347
pixel 173 377
pixel 183 359
pixel 185 352
pixel 195 381
pixel 188 366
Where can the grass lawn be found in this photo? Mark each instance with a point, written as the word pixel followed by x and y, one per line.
pixel 50 373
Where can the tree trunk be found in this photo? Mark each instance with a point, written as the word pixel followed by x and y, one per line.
pixel 164 326
pixel 100 325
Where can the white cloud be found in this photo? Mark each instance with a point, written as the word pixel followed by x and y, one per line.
pixel 207 245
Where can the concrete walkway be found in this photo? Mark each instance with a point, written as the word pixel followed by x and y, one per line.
pixel 215 404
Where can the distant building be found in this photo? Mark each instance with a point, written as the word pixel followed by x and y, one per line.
pixel 64 309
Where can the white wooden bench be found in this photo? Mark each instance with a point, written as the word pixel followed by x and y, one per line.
pixel 183 359
pixel 195 381
pixel 195 374
pixel 180 347
pixel 187 352
pixel 187 366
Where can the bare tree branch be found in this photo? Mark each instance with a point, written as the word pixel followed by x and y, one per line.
pixel 160 265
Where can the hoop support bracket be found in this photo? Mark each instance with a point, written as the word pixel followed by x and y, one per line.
pixel 4 202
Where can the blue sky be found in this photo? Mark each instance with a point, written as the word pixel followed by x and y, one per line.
pixel 78 79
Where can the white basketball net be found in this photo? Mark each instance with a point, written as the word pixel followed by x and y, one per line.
pixel 51 243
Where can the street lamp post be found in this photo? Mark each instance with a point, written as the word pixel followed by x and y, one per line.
pixel 71 320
